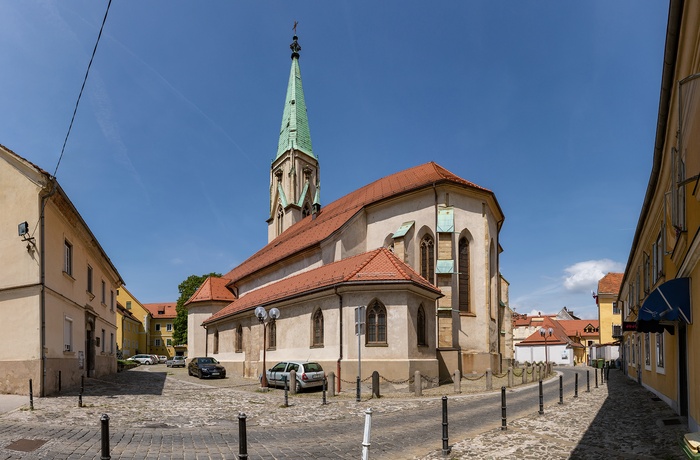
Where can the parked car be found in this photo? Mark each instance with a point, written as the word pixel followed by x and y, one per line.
pixel 162 359
pixel 206 367
pixel 309 375
pixel 155 359
pixel 141 359
pixel 176 361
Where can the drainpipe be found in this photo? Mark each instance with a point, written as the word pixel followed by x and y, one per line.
pixel 340 358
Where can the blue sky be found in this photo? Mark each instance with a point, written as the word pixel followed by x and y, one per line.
pixel 551 105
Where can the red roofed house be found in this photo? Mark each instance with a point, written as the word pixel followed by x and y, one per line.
pixel 419 249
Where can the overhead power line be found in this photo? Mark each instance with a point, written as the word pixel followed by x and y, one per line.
pixel 77 103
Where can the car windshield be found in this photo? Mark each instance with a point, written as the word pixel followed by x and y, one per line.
pixel 313 367
pixel 206 361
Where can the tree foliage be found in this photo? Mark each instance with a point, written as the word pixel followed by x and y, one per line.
pixel 187 289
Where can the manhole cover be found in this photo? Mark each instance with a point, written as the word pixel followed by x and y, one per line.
pixel 26 445
pixel 671 421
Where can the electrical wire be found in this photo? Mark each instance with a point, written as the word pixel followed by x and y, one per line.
pixel 87 72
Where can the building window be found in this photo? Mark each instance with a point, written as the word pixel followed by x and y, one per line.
pixel 104 293
pixel 89 279
pixel 111 300
pixel 157 327
pixel 660 351
pixel 463 269
pixel 376 324
pixel 280 220
pixel 111 343
pixel 239 339
pixel 647 273
pixel 169 342
pixel 616 309
pixel 216 342
pixel 169 327
pixel 678 192
pixel 128 304
pixel 271 335
pixel 318 328
pixel 67 334
pixel 647 349
pixel 67 258
pixel 102 344
pixel 658 259
pixel 156 342
pixel 420 327
pixel 427 258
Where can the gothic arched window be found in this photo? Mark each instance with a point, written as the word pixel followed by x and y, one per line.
pixel 239 339
pixel 420 327
pixel 463 269
pixel 318 328
pixel 280 220
pixel 427 258
pixel 271 335
pixel 376 324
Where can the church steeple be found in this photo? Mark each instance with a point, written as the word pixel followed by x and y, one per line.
pixel 295 172
pixel 294 132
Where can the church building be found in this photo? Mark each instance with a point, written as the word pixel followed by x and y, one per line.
pixel 416 254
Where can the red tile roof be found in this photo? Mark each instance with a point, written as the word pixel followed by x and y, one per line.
pixel 161 310
pixel 380 265
pixel 312 230
pixel 558 337
pixel 610 283
pixel 212 289
pixel 577 326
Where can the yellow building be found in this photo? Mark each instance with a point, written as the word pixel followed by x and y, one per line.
pixel 57 286
pixel 161 328
pixel 609 314
pixel 128 333
pixel 662 276
pixel 139 343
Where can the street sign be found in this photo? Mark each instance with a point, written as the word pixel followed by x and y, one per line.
pixel 359 320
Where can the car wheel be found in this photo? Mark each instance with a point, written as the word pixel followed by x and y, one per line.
pixel 189 372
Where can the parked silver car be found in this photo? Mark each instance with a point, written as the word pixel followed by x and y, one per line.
pixel 176 361
pixel 309 375
pixel 142 359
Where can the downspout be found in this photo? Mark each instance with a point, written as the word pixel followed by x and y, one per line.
pixel 42 283
pixel 340 358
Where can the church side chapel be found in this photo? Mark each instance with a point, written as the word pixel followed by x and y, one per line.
pixel 418 249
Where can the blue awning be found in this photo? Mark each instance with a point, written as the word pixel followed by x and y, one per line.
pixel 668 302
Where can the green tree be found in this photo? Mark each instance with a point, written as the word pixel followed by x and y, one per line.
pixel 187 289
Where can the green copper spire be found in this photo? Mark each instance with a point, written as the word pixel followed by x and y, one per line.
pixel 294 133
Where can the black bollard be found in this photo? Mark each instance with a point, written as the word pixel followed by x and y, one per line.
pixel 325 384
pixel 242 438
pixel 541 412
pixel 80 400
pixel 357 396
pixel 607 372
pixel 596 377
pixel 504 424
pixel 82 383
pixel 588 381
pixel 105 437
pixel 445 440
pixel 286 392
pixel 59 381
pixel 602 375
pixel 561 389
pixel 31 396
pixel 576 385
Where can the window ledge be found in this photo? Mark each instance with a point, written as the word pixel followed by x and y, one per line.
pixel 376 344
pixel 467 313
pixel 68 275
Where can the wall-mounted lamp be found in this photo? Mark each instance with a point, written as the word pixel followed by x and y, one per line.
pixel 23 231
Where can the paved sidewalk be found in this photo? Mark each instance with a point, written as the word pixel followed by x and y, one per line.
pixel 156 412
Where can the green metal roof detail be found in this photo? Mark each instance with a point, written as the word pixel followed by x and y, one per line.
pixel 403 229
pixel 317 196
pixel 294 132
pixel 283 197
pixel 300 203
pixel 445 266
pixel 446 220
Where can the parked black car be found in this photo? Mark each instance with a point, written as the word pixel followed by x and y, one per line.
pixel 206 367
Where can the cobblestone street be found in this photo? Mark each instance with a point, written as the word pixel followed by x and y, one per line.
pixel 158 412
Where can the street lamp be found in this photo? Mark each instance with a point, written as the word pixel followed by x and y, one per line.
pixel 544 333
pixel 262 315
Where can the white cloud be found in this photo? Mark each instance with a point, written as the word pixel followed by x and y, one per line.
pixel 584 276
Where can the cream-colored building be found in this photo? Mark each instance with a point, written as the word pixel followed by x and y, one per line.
pixel 661 283
pixel 140 343
pixel 419 249
pixel 57 286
